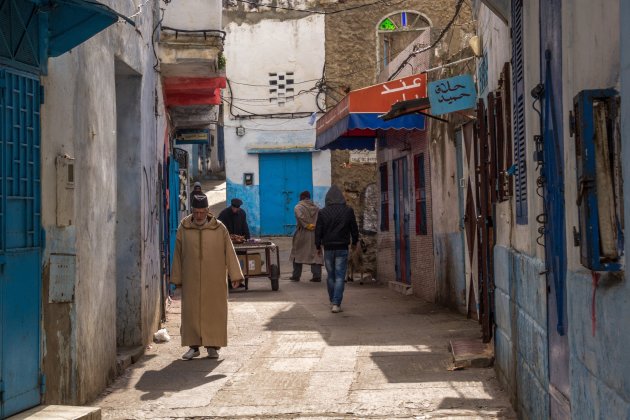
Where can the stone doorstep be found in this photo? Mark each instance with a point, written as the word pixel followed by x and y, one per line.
pixel 472 353
pixel 126 356
pixel 60 412
pixel 402 288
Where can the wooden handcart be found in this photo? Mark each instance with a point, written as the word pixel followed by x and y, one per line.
pixel 272 269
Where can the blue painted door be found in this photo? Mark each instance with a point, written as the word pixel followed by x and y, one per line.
pixel 20 242
pixel 283 176
pixel 401 220
pixel 555 241
pixel 173 205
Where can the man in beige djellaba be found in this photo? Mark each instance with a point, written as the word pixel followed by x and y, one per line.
pixel 204 257
pixel 303 250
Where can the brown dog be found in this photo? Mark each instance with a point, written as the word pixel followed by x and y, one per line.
pixel 355 261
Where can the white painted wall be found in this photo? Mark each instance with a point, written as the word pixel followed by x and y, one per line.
pixel 193 14
pixel 269 46
pixel 253 51
pixel 496 41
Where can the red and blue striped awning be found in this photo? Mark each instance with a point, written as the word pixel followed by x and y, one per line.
pixel 353 122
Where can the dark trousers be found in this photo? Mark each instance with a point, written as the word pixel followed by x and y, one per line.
pixel 316 270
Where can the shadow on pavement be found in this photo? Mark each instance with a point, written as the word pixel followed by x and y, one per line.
pixel 178 376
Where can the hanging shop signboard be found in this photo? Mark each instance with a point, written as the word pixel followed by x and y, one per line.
pixel 192 136
pixel 453 94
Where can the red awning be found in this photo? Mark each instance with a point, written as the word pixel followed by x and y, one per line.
pixel 184 91
pixel 353 122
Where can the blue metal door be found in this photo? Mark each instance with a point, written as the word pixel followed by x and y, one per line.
pixel 553 175
pixel 401 220
pixel 20 242
pixel 283 176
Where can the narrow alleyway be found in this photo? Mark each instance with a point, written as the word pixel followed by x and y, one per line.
pixel 385 356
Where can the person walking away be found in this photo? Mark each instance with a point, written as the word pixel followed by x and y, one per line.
pixel 335 229
pixel 204 256
pixel 235 220
pixel 303 250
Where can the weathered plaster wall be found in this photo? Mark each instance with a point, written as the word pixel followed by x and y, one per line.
pixel 521 345
pixel 193 14
pixel 79 118
pixel 599 360
pixel 522 361
pixel 270 43
pixel 254 50
pixel 450 267
pixel 128 248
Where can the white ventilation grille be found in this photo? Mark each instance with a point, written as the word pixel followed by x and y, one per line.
pixel 281 87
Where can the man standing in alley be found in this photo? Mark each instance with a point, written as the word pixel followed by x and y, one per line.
pixel 303 250
pixel 235 219
pixel 204 256
pixel 336 228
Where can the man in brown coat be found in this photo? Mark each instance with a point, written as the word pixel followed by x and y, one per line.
pixel 303 250
pixel 204 256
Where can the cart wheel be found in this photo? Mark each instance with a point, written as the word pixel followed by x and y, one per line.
pixel 274 275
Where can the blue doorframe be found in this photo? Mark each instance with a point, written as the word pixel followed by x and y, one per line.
pixel 20 242
pixel 555 240
pixel 401 220
pixel 283 176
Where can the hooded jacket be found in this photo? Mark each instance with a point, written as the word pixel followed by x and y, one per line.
pixel 336 224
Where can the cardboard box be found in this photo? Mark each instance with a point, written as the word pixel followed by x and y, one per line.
pixel 254 264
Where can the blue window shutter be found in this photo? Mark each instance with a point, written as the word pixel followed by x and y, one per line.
pixel 518 86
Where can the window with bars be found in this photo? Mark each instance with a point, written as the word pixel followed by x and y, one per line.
pixel 518 125
pixel 421 194
pixel 384 198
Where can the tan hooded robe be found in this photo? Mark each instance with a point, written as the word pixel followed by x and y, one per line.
pixel 204 256
pixel 303 250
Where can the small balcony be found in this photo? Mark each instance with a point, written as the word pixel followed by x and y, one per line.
pixel 191 39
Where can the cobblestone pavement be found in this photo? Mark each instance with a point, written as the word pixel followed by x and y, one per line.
pixel 385 356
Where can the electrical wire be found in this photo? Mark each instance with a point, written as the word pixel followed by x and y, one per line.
pixel 458 7
pixel 267 85
pixel 157 25
pixel 284 115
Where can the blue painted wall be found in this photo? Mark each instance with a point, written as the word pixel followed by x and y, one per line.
pixel 319 195
pixel 521 331
pixel 599 364
pixel 450 270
